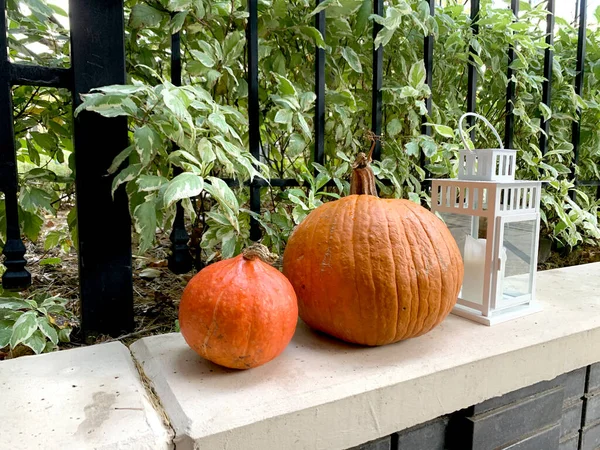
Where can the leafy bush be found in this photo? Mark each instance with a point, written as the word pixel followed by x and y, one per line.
pixel 39 323
pixel 207 118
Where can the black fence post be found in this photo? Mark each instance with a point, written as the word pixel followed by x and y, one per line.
pixel 253 111
pixel 16 276
pixel 510 88
pixel 319 155
pixel 428 61
pixel 376 113
pixel 472 70
pixel 104 223
pixel 180 259
pixel 547 85
pixel 576 127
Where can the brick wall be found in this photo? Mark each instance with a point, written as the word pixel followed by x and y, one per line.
pixel 561 414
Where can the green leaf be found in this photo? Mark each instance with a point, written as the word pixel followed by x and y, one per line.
pixel 50 261
pixel 107 105
pixel 125 175
pixel 218 120
pixel 184 185
pixel 143 15
pixel 412 148
pixel 444 130
pixel 145 224
pixel 223 193
pixel 205 151
pixel 47 329
pixel 13 304
pixel 284 116
pixel 352 59
pixel 206 59
pixel 362 17
pixel 322 6
pixel 52 239
pixel 228 245
pixel 33 198
pixel 179 5
pixel 6 329
pixel 36 342
pixel 120 159
pixel 286 87
pixel 394 127
pixel 23 328
pixel 314 34
pixel 417 74
pixel 64 335
pixel 546 111
pixel 149 183
pixel 146 141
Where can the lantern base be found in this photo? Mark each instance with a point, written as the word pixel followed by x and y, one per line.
pixel 496 316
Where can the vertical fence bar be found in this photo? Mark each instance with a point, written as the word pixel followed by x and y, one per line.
pixel 376 113
pixel 510 88
pixel 16 276
pixel 472 70
pixel 428 60
pixel 547 85
pixel 180 260
pixel 253 109
pixel 319 156
pixel 104 224
pixel 581 47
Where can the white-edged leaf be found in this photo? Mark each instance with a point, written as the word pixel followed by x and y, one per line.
pixel 12 303
pixel 205 151
pixel 546 111
pixel 417 74
pixel 125 175
pixel 284 116
pixel 286 87
pixel 145 224
pixel 352 59
pixel 218 120
pixel 23 328
pixel 6 328
pixel 322 6
pixel 206 59
pixel 36 342
pixel 314 34
pixel 47 329
pixel 444 130
pixel 149 183
pixel 184 185
pixel 223 193
pixel 120 159
pixel 145 139
pixel 228 244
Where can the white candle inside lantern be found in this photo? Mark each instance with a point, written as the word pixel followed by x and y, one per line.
pixel 474 262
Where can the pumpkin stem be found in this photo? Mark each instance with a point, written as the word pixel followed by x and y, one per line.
pixel 259 251
pixel 363 179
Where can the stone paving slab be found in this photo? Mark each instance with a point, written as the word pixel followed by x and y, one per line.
pixel 323 394
pixel 85 398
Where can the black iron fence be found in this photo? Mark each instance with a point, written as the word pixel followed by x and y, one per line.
pixel 98 59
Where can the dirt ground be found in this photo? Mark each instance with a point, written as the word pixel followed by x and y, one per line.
pixel 156 290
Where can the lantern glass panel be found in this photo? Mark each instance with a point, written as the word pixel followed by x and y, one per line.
pixel 470 233
pixel 518 244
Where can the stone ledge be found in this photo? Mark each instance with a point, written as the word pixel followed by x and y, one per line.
pixel 85 398
pixel 324 394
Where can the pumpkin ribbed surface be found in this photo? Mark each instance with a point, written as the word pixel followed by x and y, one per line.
pixel 238 313
pixel 373 271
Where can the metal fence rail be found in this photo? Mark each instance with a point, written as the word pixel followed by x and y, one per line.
pixel 104 224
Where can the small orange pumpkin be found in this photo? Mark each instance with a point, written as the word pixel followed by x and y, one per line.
pixel 240 312
pixel 373 271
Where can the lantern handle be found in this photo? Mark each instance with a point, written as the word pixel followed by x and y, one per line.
pixel 462 132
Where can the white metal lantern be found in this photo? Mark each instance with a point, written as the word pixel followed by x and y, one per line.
pixel 495 221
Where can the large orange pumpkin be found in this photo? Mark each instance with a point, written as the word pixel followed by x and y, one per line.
pixel 373 271
pixel 240 312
